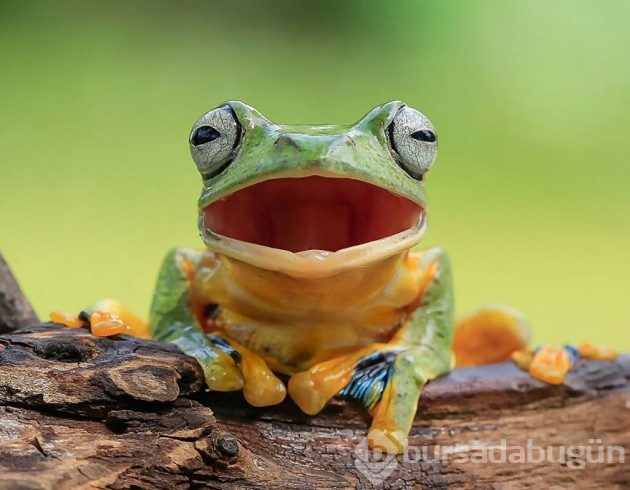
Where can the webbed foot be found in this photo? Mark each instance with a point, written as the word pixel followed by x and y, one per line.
pixel 105 318
pixel 387 379
pixel 261 387
pixel 551 364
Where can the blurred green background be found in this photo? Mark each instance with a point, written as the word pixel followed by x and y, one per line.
pixel 531 101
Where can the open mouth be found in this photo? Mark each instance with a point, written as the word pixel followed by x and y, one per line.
pixel 311 213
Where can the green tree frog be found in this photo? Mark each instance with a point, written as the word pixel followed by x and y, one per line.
pixel 309 271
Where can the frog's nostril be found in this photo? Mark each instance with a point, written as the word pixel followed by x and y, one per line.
pixel 286 140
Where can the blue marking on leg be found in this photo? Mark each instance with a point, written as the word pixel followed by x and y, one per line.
pixel 370 377
pixel 223 344
pixel 572 351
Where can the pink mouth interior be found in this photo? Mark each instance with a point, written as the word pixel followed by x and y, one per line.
pixel 311 213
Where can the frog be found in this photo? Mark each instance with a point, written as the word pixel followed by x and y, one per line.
pixel 311 272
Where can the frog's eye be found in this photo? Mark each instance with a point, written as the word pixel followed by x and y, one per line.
pixel 203 135
pixel 413 141
pixel 214 140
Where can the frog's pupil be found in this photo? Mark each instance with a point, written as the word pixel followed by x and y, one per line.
pixel 204 134
pixel 424 135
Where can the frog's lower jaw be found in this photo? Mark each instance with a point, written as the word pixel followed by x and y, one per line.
pixel 312 226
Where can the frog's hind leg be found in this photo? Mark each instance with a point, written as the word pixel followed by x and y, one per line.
pixel 489 335
pixel 498 333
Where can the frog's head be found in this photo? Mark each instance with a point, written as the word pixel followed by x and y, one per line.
pixel 312 200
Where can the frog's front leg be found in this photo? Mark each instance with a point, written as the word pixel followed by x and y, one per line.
pixel 175 317
pixel 387 378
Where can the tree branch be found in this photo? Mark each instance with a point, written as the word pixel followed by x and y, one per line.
pixel 78 411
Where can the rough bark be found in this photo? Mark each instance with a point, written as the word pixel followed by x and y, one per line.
pixel 77 411
pixel 82 412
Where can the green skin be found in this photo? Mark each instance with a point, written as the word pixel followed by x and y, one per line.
pixel 327 148
pixel 363 151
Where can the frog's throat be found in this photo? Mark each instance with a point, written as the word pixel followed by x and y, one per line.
pixel 312 227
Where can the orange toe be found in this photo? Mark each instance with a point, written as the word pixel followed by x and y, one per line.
pixel 67 319
pixel 107 324
pixel 550 364
pixel 597 352
pixel 137 326
pixel 523 358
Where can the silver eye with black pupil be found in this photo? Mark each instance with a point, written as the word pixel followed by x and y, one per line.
pixel 424 135
pixel 214 140
pixel 413 141
pixel 203 135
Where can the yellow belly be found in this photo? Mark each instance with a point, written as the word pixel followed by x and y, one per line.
pixel 294 323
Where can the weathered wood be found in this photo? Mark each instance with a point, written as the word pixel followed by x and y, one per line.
pixel 15 310
pixel 81 412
